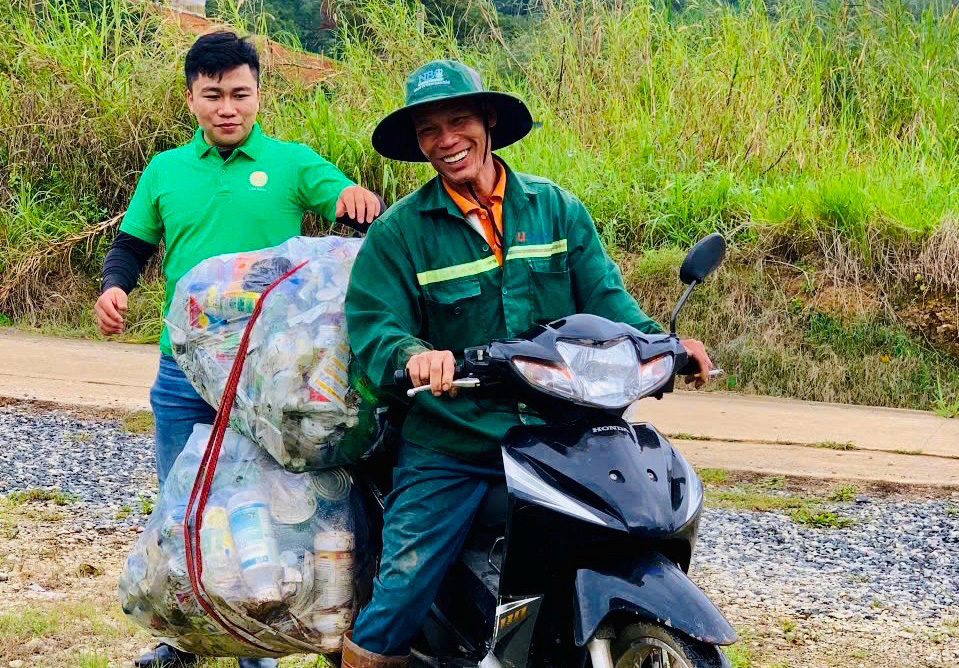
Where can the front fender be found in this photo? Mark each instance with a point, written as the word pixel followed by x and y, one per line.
pixel 653 588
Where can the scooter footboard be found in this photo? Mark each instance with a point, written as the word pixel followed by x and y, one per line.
pixel 653 588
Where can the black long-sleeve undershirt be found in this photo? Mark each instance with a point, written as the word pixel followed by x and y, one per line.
pixel 125 261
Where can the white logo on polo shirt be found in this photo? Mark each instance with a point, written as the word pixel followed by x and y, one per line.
pixel 258 179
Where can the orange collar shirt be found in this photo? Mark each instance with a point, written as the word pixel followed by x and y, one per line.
pixel 478 217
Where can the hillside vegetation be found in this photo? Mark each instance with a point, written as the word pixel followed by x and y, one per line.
pixel 820 139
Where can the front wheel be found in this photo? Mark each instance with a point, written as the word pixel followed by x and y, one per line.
pixel 646 645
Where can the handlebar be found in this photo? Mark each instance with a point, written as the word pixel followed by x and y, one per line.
pixel 401 378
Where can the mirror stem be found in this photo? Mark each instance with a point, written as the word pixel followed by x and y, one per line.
pixel 679 306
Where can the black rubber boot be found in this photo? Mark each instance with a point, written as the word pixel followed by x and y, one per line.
pixel 257 663
pixel 165 656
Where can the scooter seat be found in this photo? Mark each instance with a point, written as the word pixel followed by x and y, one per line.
pixel 492 511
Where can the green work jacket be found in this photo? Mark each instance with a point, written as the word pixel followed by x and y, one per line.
pixel 425 279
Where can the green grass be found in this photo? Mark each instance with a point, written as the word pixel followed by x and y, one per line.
pixel 819 138
pixel 713 476
pixel 28 623
pixel 92 660
pixel 124 512
pixel 843 493
pixel 146 504
pixel 140 422
pixel 821 519
pixel 768 495
pixel 40 495
pixel 739 656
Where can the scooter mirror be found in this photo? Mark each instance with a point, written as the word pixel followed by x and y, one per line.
pixel 703 259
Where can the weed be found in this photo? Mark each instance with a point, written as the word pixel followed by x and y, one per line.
pixel 832 445
pixel 819 519
pixel 683 436
pixel 146 504
pixel 27 623
pixel 124 512
pixel 952 511
pixel 140 422
pixel 713 476
pixel 39 495
pixel 776 482
pixel 907 452
pixel 92 660
pixel 789 626
pixel 844 493
pixel 739 656
pixel 750 498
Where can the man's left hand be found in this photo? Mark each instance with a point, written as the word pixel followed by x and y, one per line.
pixel 360 204
pixel 697 351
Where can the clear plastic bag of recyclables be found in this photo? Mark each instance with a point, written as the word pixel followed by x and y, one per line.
pixel 299 396
pixel 277 549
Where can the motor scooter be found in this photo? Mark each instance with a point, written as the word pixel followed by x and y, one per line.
pixel 580 557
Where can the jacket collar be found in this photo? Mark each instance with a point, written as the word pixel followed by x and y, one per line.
pixel 252 146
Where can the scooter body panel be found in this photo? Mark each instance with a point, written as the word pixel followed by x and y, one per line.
pixel 605 471
pixel 653 588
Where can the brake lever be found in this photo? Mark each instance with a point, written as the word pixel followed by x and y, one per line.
pixel 462 382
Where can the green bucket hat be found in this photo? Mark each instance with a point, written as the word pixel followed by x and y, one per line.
pixel 440 80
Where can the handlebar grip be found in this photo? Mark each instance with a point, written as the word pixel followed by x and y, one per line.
pixel 689 368
pixel 362 228
pixel 402 379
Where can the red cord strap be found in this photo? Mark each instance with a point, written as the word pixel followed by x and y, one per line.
pixel 193 519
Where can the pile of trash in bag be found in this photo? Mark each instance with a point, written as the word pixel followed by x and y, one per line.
pixel 251 549
pixel 277 552
pixel 299 397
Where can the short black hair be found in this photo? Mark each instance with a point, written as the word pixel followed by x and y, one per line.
pixel 216 53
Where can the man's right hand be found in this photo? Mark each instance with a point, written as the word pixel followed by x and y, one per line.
pixel 434 368
pixel 109 310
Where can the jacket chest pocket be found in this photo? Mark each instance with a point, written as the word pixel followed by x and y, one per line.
pixel 551 289
pixel 454 312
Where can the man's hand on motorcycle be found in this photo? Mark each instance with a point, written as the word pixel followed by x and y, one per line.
pixel 697 351
pixel 434 368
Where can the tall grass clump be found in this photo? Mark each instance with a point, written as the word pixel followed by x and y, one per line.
pixel 817 136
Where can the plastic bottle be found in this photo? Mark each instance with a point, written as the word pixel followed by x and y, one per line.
pixel 333 572
pixel 260 564
pixel 221 570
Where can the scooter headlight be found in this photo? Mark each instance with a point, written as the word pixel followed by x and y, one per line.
pixel 607 375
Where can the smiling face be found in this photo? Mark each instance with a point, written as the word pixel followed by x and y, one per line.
pixel 225 107
pixel 453 138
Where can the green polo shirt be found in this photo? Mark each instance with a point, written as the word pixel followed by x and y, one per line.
pixel 200 205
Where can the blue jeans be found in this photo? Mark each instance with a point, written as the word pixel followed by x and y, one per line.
pixel 176 408
pixel 428 514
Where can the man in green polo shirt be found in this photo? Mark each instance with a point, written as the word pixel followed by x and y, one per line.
pixel 478 253
pixel 231 189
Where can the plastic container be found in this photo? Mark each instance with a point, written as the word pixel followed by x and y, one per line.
pixel 253 534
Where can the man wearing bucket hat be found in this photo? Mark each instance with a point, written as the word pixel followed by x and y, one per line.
pixel 478 253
